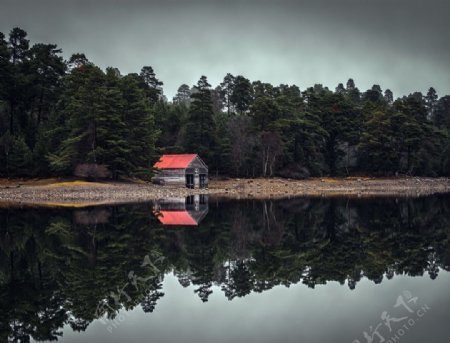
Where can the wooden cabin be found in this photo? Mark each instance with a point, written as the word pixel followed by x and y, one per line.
pixel 181 211
pixel 181 170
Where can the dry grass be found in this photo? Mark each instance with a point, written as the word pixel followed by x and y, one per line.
pixel 329 180
pixel 78 183
pixel 26 182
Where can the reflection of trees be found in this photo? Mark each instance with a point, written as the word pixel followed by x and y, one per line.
pixel 241 280
pixel 200 254
pixel 55 271
pixel 57 267
pixel 30 300
pixel 152 295
pixel 316 241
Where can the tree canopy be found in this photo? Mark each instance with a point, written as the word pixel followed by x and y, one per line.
pixel 70 117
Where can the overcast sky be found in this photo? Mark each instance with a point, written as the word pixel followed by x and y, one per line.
pixel 400 44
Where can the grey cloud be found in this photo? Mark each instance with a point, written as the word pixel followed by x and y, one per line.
pixel 401 45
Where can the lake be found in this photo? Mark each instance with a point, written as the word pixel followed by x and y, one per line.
pixel 221 270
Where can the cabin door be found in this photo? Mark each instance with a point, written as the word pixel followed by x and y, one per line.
pixel 190 180
pixel 202 180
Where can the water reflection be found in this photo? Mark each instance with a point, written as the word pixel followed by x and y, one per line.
pixel 181 211
pixel 62 267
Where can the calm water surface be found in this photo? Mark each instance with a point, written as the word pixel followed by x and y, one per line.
pixel 193 270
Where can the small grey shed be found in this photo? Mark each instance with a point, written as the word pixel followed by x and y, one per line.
pixel 181 170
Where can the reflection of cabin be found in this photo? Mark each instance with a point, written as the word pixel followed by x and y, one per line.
pixel 181 211
pixel 181 170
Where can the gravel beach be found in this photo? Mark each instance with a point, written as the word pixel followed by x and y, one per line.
pixel 81 193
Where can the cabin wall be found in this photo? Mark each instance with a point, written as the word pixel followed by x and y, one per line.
pixel 171 177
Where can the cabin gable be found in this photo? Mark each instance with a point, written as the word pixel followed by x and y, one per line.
pixel 197 162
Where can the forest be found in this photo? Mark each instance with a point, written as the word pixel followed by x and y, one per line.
pixel 69 117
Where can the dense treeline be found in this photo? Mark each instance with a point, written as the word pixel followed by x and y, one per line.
pixel 70 117
pixel 57 266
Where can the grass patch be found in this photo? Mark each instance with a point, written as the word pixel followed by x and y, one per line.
pixel 76 183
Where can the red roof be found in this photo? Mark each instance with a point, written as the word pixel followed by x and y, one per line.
pixel 181 161
pixel 176 218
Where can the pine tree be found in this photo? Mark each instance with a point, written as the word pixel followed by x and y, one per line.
pixel 47 68
pixel 183 95
pixel 140 126
pixel 80 103
pixel 17 89
pixel 242 94
pixel 19 159
pixel 413 132
pixel 340 89
pixel 378 148
pixel 441 113
pixel 151 84
pixel 5 71
pixel 112 148
pixel 353 93
pixel 431 101
pixel 227 87
pixel 389 96
pixel 200 127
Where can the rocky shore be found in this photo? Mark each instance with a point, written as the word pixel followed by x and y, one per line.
pixel 81 193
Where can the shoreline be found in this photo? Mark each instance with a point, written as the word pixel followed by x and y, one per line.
pixel 57 193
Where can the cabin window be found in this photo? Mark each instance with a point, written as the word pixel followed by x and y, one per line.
pixel 190 180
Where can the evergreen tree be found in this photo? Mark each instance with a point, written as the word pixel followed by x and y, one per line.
pixel 151 84
pixel 45 70
pixel 340 89
pixel 112 148
pixel 374 94
pixel 378 149
pixel 414 134
pixel 79 106
pixel 141 130
pixel 183 95
pixel 441 113
pixel 389 96
pixel 77 61
pixel 6 74
pixel 18 161
pixel 17 88
pixel 200 127
pixel 352 91
pixel 169 121
pixel 18 45
pixel 431 101
pixel 5 69
pixel 217 103
pixel 260 89
pixel 226 92
pixel 350 85
pixel 264 112
pixel 242 94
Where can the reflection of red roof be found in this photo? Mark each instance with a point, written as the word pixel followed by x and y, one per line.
pixel 175 161
pixel 176 218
